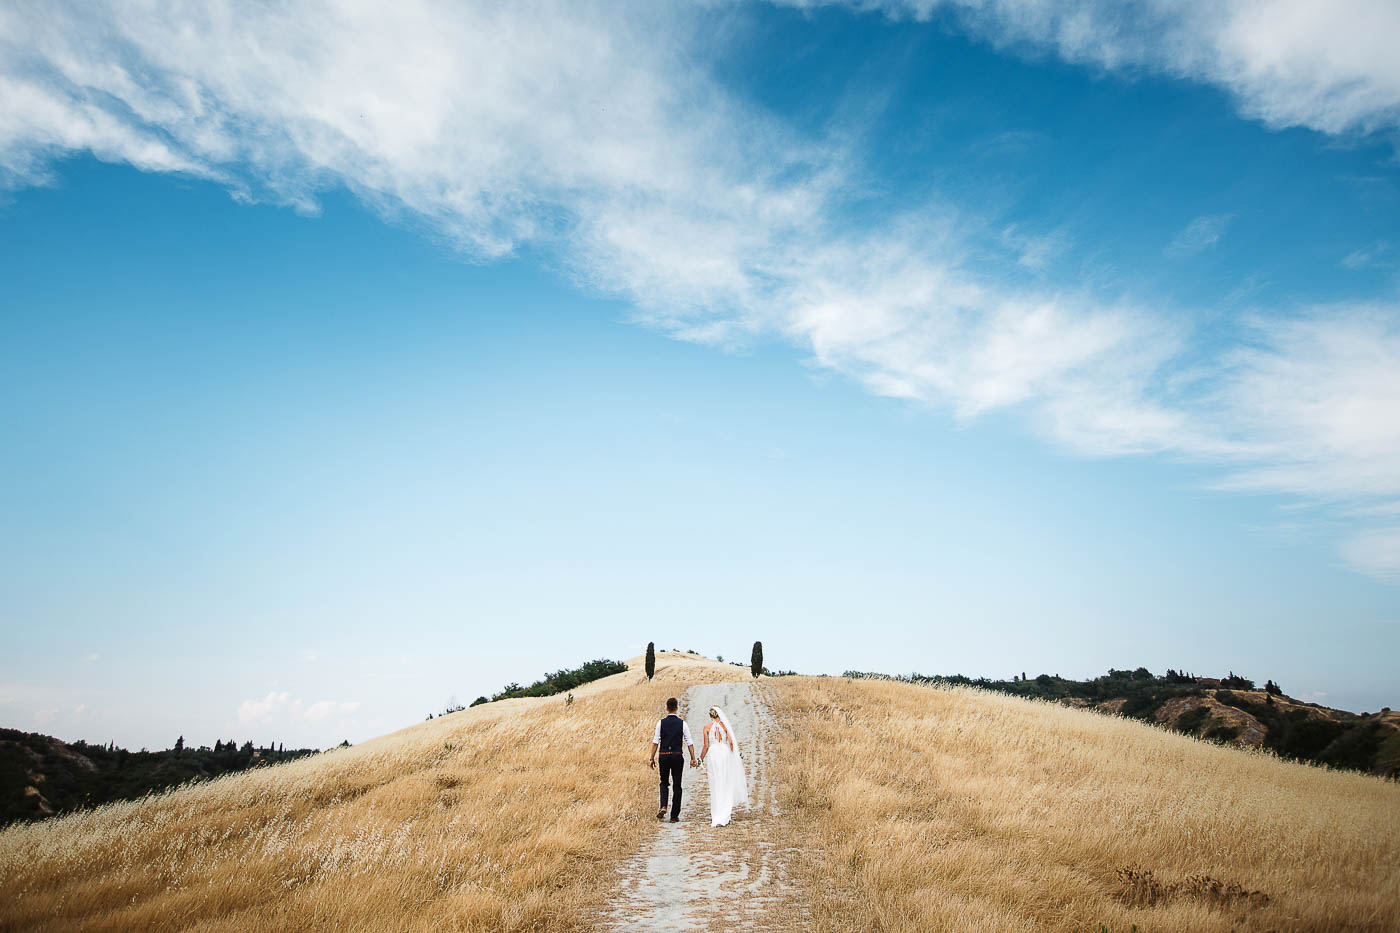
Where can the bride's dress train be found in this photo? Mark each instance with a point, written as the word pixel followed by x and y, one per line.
pixel 729 786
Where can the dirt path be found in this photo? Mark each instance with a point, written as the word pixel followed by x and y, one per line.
pixel 692 876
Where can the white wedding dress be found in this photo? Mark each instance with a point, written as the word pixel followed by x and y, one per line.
pixel 729 786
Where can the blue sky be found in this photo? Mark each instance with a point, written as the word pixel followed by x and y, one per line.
pixel 353 361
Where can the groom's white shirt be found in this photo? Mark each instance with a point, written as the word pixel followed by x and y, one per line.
pixel 685 726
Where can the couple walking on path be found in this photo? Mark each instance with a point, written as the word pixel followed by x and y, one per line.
pixel 729 786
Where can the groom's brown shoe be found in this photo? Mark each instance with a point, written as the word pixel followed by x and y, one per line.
pixel 675 819
pixel 661 814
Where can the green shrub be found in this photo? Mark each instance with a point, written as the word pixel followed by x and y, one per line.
pixel 1193 719
pixel 560 681
pixel 1308 738
pixel 1356 748
pixel 1223 733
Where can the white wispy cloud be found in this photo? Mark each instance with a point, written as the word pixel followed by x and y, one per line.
pixel 595 132
pixel 1035 251
pixel 1200 234
pixel 1327 66
pixel 1317 401
pixel 280 708
pixel 275 706
pixel 1377 254
pixel 1375 551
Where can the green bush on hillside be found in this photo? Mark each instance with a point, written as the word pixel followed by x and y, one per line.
pixel 560 681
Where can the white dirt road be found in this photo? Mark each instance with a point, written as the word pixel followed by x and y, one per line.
pixel 692 876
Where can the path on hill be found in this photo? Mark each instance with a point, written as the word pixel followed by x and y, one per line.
pixel 692 876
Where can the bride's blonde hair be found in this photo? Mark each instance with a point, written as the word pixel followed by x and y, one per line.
pixel 714 713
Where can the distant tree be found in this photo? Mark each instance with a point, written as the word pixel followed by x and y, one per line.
pixel 756 659
pixel 719 657
pixel 480 700
pixel 218 745
pixel 279 748
pixel 1023 675
pixel 180 744
pixel 651 660
pixel 1236 682
pixel 1273 688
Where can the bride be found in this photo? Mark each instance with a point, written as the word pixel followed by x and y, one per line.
pixel 729 787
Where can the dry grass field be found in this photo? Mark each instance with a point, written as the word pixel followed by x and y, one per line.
pixel 509 816
pixel 953 809
pixel 910 809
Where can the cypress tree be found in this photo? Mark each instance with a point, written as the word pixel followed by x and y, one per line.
pixel 651 660
pixel 180 744
pixel 756 661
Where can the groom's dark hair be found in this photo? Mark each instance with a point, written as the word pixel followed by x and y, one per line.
pixel 672 705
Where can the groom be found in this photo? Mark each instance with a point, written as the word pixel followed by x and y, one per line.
pixel 671 733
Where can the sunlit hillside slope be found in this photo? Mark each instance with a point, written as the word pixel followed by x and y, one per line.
pixel 922 808
pixel 903 808
pixel 507 816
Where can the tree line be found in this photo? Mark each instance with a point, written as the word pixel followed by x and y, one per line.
pixel 115 773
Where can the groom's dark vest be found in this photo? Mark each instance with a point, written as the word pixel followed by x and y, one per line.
pixel 672 735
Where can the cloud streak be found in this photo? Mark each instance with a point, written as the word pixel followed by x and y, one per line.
pixel 602 138
pixel 279 708
pixel 1201 234
pixel 1325 66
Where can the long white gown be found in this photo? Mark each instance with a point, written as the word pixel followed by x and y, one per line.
pixel 729 786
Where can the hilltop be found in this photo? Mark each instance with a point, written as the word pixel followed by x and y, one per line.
pixel 898 807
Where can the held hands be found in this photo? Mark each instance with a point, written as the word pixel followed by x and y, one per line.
pixel 694 763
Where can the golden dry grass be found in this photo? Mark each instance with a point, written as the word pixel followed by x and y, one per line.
pixel 933 809
pixel 510 816
pixel 911 808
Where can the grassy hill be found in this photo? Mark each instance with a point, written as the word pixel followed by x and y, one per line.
pixel 506 816
pixel 904 808
pixel 1229 710
pixel 41 776
pixel 928 808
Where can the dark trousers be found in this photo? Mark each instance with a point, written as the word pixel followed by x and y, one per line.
pixel 671 768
